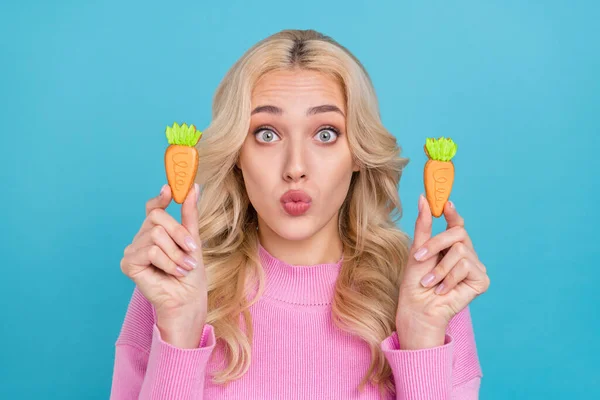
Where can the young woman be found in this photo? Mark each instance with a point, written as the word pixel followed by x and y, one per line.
pixel 288 277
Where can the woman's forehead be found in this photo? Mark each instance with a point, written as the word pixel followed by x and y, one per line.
pixel 297 88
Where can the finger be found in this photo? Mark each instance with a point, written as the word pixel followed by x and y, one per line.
pixel 451 258
pixel 178 233
pixel 452 216
pixel 154 255
pixel 160 202
pixel 158 235
pixel 464 271
pixel 481 266
pixel 422 225
pixel 189 213
pixel 141 262
pixel 454 219
pixel 442 241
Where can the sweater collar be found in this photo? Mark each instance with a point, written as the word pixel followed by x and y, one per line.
pixel 310 285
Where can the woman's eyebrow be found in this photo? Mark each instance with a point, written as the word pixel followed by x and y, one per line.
pixel 311 111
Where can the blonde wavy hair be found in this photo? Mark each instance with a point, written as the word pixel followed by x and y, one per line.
pixel 375 250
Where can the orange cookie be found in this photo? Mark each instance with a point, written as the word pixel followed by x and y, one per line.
pixel 181 159
pixel 438 174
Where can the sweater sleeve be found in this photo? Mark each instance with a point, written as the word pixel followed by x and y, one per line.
pixel 450 371
pixel 147 367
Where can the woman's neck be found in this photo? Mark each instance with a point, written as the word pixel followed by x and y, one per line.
pixel 324 247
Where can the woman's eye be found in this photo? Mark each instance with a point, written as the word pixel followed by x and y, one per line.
pixel 265 135
pixel 326 134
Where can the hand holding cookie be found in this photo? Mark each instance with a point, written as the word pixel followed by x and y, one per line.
pixel 442 276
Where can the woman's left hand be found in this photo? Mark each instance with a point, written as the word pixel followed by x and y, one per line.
pixel 441 283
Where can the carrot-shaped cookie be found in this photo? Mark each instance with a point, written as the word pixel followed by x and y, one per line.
pixel 439 172
pixel 181 159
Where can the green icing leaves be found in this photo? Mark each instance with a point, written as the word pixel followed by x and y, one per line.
pixel 442 149
pixel 183 135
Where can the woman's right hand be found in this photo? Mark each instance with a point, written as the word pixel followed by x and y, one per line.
pixel 154 261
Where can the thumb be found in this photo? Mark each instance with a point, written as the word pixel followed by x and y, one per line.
pixel 422 225
pixel 189 212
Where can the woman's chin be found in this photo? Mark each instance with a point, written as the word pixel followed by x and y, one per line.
pixel 293 230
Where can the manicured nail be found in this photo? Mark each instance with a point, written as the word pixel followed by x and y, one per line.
pixel 451 204
pixel 182 271
pixel 419 254
pixel 190 243
pixel 439 289
pixel 427 279
pixel 162 189
pixel 197 188
pixel 421 198
pixel 190 262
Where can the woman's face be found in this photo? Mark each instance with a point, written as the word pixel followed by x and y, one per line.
pixel 297 142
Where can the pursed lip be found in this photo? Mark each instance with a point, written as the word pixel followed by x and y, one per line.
pixel 295 195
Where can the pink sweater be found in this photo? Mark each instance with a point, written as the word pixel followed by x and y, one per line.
pixel 297 353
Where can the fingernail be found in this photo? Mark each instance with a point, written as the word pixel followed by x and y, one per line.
pixel 182 271
pixel 420 253
pixel 451 204
pixel 197 188
pixel 190 243
pixel 162 189
pixel 189 261
pixel 427 279
pixel 421 202
pixel 439 289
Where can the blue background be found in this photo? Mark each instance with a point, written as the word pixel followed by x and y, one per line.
pixel 87 89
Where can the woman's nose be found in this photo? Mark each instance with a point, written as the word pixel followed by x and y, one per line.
pixel 295 166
